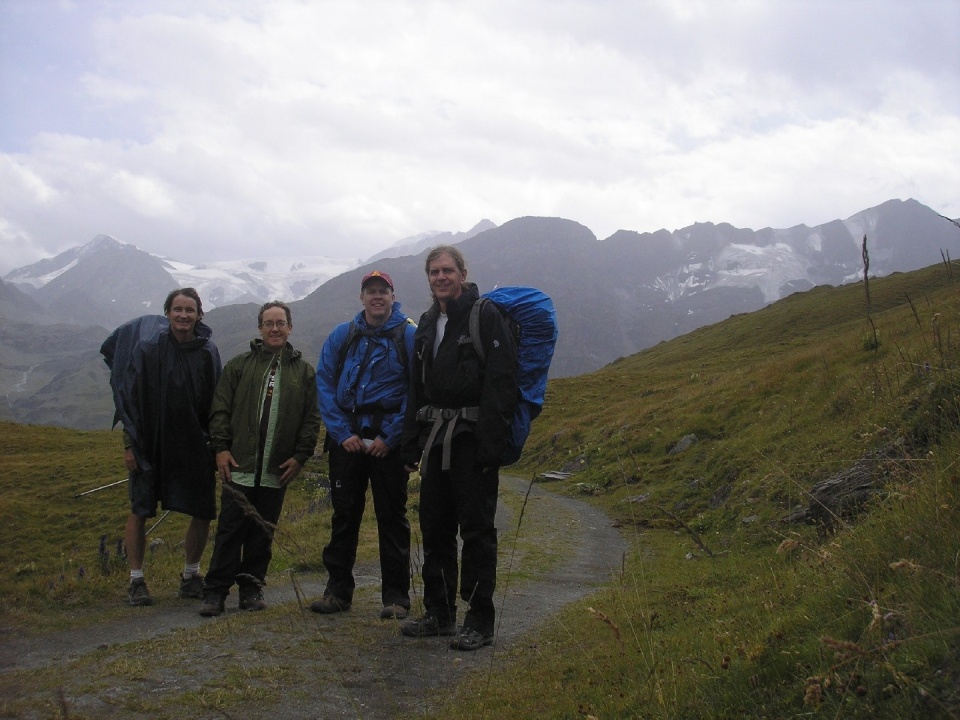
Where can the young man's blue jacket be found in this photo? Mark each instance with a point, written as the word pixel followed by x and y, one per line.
pixel 373 376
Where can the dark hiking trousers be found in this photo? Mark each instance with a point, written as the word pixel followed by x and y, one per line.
pixel 243 547
pixel 349 475
pixel 463 498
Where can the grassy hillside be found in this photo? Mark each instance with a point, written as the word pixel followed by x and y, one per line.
pixel 61 552
pixel 723 608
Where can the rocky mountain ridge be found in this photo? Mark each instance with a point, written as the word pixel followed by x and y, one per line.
pixel 614 297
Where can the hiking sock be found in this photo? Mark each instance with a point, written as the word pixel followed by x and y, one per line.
pixel 190 569
pixel 136 574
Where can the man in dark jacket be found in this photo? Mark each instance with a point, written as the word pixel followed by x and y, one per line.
pixel 458 415
pixel 362 383
pixel 263 427
pixel 162 372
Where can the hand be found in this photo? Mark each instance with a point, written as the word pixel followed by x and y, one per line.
pixel 225 462
pixel 130 460
pixel 411 468
pixel 378 448
pixel 353 444
pixel 291 468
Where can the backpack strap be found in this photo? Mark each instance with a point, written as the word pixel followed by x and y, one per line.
pixel 352 334
pixel 474 328
pixel 440 417
pixel 398 333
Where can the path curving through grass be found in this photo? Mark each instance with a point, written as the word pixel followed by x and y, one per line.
pixel 287 662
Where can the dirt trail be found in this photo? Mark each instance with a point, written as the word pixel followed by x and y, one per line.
pixel 350 666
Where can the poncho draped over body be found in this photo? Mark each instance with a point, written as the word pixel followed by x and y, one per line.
pixel 162 391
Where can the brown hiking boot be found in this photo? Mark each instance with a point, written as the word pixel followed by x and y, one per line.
pixel 328 604
pixel 393 612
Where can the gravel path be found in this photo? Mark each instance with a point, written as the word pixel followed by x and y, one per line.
pixel 345 666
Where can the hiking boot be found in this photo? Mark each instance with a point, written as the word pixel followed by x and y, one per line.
pixel 393 612
pixel 252 599
pixel 212 605
pixel 470 639
pixel 329 604
pixel 192 587
pixel 428 626
pixel 138 594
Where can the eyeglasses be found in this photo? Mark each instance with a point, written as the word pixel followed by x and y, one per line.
pixel 270 324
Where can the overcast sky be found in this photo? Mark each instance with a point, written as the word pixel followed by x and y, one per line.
pixel 214 129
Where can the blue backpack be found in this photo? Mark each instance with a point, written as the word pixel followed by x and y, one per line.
pixel 534 319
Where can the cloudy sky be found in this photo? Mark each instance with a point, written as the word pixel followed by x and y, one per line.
pixel 213 129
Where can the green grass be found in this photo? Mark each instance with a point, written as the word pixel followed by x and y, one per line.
pixel 776 620
pixel 723 609
pixel 50 557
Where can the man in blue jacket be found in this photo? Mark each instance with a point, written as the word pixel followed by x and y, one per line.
pixel 362 384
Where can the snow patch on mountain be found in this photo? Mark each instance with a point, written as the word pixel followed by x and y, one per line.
pixel 863 223
pixel 37 281
pixel 767 267
pixel 219 283
pixel 258 280
pixel 40 273
pixel 813 241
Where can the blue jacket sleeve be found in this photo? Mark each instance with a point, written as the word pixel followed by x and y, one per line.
pixel 335 419
pixel 392 430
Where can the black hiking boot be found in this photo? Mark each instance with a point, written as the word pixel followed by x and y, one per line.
pixel 212 605
pixel 139 596
pixel 470 639
pixel 428 626
pixel 191 587
pixel 252 599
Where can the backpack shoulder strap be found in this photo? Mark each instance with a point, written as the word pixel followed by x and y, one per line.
pixel 352 334
pixel 398 333
pixel 474 327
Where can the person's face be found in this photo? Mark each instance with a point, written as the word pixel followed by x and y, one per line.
pixel 377 300
pixel 274 329
pixel 445 278
pixel 183 317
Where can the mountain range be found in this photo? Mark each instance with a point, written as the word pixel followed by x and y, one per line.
pixel 614 297
pixel 113 281
pixel 61 284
